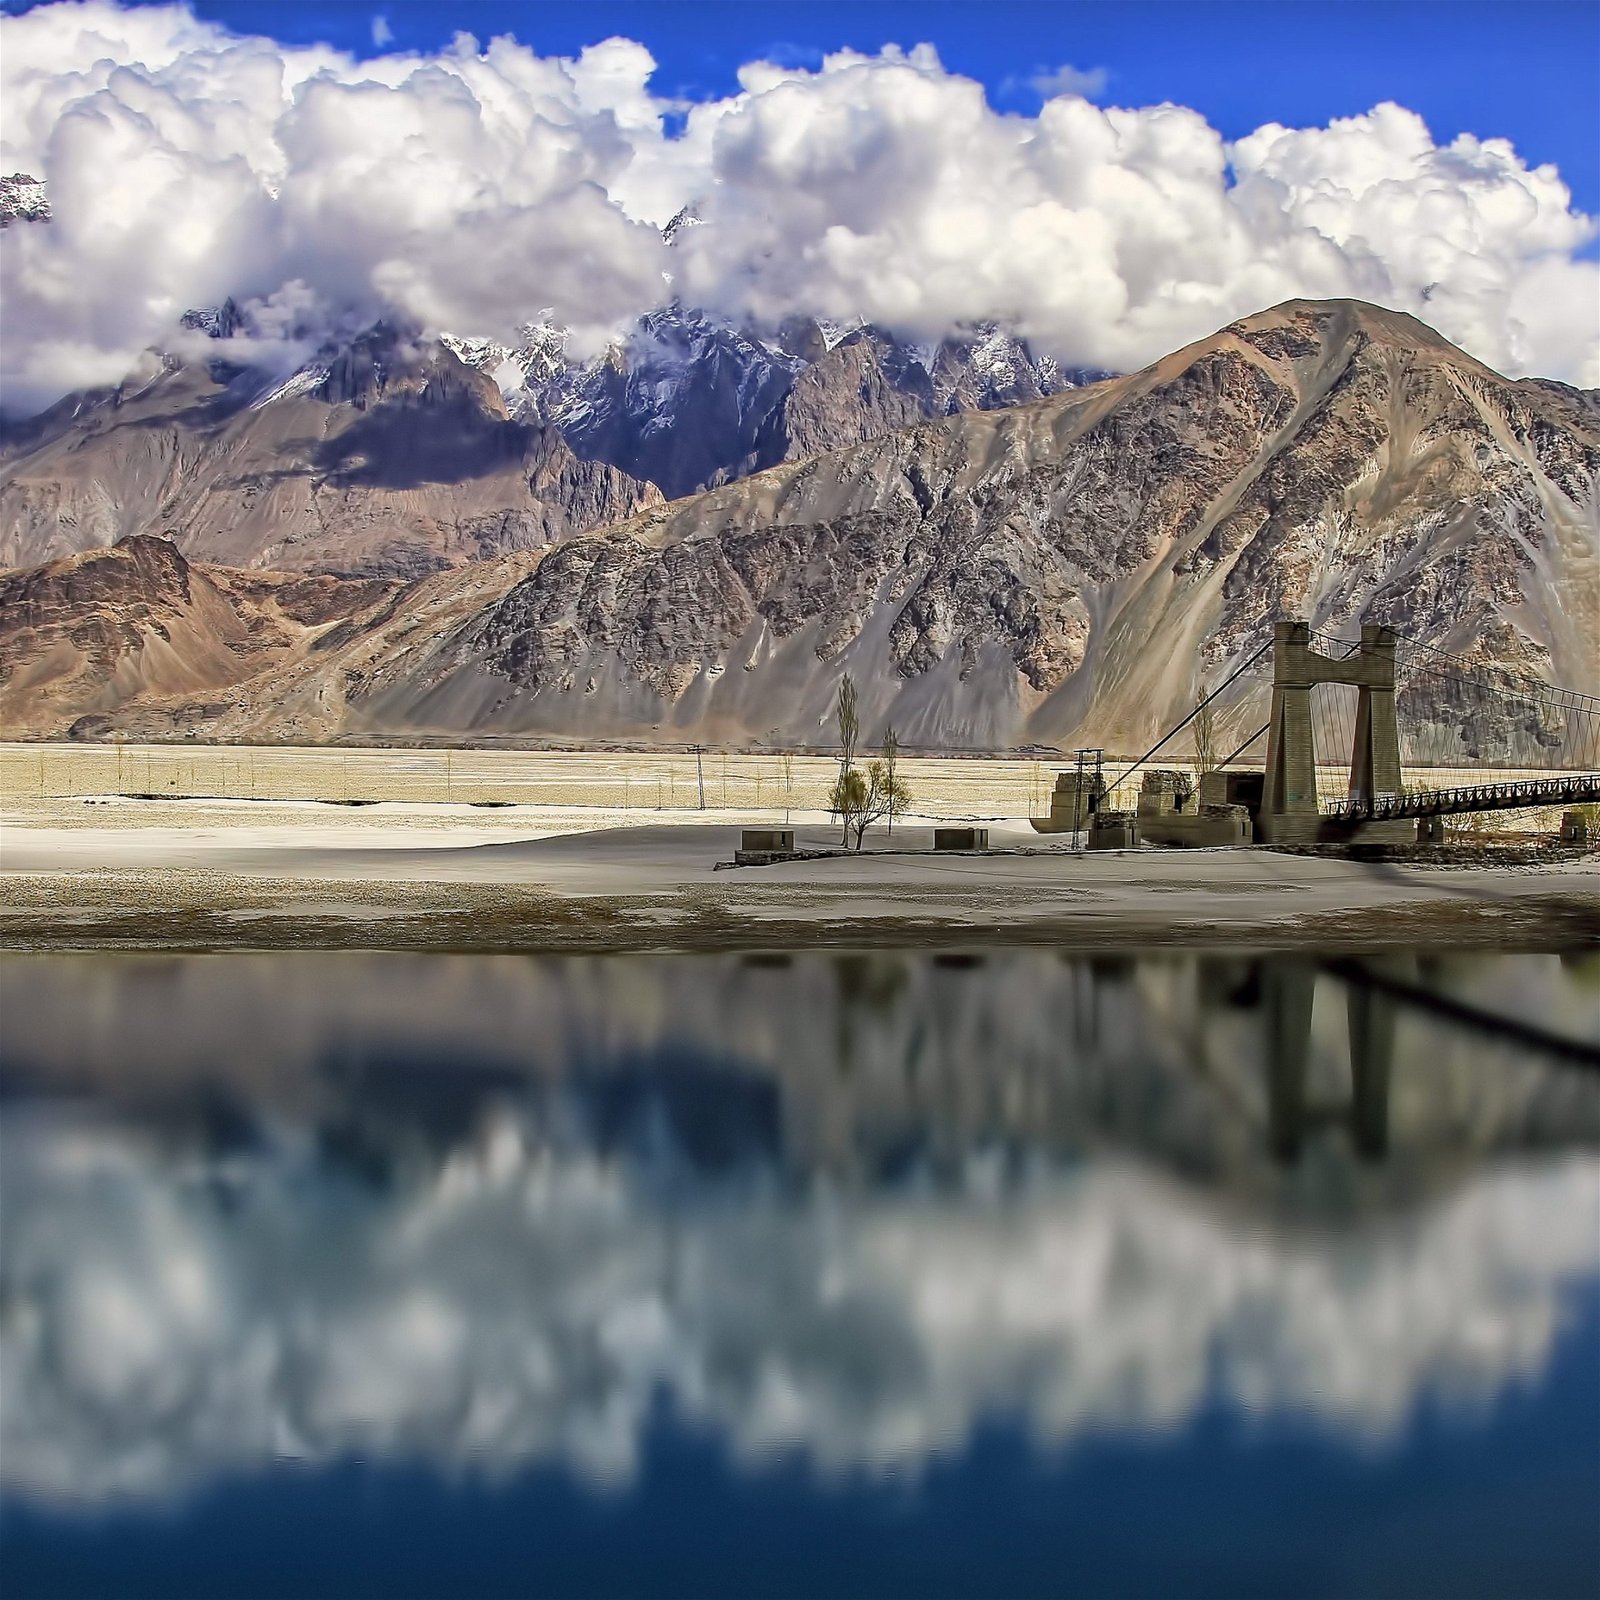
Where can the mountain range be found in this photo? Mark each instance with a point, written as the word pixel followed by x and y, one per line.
pixel 1062 568
pixel 393 453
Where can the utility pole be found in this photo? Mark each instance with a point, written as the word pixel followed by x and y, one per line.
pixel 1077 798
pixel 1080 807
pixel 700 775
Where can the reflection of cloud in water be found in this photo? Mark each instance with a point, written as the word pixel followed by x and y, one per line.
pixel 169 1317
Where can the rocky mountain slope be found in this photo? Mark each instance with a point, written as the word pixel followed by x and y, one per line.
pixel 390 457
pixel 138 623
pixel 1063 570
pixel 398 454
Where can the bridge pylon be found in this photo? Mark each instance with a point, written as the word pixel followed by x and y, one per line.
pixel 1290 813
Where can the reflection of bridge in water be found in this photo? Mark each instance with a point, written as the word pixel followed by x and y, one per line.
pixel 1227 1070
pixel 1373 999
pixel 1380 697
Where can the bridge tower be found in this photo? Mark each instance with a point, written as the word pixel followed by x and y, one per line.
pixel 1289 810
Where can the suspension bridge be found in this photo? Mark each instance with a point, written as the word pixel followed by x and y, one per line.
pixel 1390 702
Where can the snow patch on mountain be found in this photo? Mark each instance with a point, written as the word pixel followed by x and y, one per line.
pixel 304 381
pixel 835 333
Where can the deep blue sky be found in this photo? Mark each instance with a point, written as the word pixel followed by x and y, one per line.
pixel 1528 70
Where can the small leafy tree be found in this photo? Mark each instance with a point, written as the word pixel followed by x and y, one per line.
pixel 786 761
pixel 847 800
pixel 862 798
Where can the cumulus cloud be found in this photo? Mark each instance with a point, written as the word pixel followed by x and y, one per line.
pixel 464 188
pixel 382 32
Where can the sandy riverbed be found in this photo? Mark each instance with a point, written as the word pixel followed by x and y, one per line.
pixel 161 874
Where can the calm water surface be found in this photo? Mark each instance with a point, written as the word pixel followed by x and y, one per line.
pixel 1008 1274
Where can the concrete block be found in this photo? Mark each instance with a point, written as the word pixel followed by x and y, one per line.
pixel 1113 830
pixel 1164 791
pixel 1574 828
pixel 960 838
pixel 1206 827
pixel 1071 802
pixel 767 841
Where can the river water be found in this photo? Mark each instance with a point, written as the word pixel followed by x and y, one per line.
pixel 1003 1273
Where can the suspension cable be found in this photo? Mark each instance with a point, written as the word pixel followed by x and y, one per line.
pixel 1227 760
pixel 1200 705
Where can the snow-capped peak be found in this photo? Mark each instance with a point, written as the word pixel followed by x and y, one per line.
pixel 688 217
pixel 23 199
pixel 216 322
pixel 996 354
pixel 835 333
pixel 523 372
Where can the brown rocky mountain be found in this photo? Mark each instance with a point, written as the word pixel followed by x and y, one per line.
pixel 1058 571
pixel 392 459
pixel 139 624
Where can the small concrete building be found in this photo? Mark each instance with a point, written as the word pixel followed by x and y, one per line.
pixel 1072 804
pixel 775 841
pixel 1172 813
pixel 1226 787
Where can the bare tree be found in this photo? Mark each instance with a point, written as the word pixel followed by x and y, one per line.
pixel 896 793
pixel 849 737
pixel 1205 735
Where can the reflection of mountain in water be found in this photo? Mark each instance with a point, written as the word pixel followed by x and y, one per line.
pixel 486 1209
pixel 854 1064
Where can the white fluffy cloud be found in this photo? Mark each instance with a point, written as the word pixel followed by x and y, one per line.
pixel 464 189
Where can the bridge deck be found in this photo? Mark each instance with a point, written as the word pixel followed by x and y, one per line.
pixel 1570 788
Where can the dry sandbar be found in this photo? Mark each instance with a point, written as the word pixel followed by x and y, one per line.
pixel 217 875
